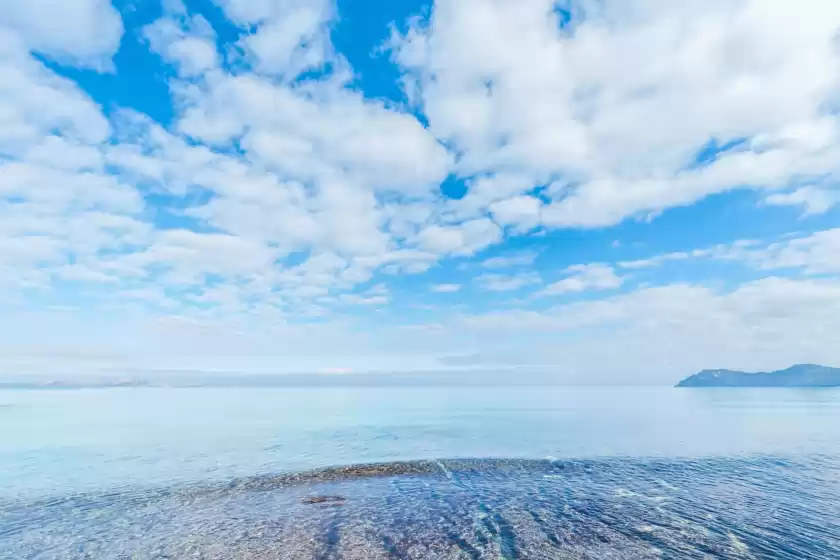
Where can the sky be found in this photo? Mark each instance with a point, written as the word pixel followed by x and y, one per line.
pixel 618 191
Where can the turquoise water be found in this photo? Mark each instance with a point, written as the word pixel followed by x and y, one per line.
pixel 151 468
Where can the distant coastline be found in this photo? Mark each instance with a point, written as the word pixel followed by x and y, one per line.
pixel 507 377
pixel 803 375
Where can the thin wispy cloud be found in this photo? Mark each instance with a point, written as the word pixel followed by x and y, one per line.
pixel 515 259
pixel 583 278
pixel 446 288
pixel 507 283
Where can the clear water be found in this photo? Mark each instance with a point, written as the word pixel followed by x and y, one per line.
pixel 585 473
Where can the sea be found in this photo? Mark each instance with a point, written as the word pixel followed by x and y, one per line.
pixel 425 472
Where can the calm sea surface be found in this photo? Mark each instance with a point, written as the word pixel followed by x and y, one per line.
pixel 458 472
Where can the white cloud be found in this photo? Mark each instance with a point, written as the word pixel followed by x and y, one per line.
pixel 514 93
pixel 486 190
pixel 521 212
pixel 323 132
pixel 652 335
pixel 290 36
pixel 81 273
pixel 505 283
pixel 813 200
pixel 291 42
pixel 85 32
pixel 465 239
pixel 124 340
pixel 523 258
pixel 378 290
pixel 816 253
pixel 446 288
pixel 37 104
pixel 584 278
pixel 188 256
pixel 322 171
pixel 189 44
pixel 355 299
pixel 61 210
pixel 402 261
pixel 277 200
pixel 67 216
pixel 377 295
pixel 437 239
pixel 286 37
pixel 655 261
pixel 658 335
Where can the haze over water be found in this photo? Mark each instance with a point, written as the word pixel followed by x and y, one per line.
pixel 574 472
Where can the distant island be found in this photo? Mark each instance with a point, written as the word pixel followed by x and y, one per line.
pixel 803 375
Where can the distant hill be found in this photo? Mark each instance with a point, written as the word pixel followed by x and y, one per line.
pixel 804 375
pixel 96 383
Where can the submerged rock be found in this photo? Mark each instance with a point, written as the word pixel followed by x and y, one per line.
pixel 323 499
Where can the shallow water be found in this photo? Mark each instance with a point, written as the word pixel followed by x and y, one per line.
pixel 728 508
pixel 588 473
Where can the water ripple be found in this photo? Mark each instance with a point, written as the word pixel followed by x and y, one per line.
pixel 764 507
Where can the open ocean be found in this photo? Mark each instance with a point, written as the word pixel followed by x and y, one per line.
pixel 420 472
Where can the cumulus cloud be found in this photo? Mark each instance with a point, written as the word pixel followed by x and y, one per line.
pixel 254 172
pixel 812 200
pixel 505 283
pixel 655 260
pixel 521 212
pixel 583 278
pixel 522 258
pixel 61 209
pixel 189 43
pixel 290 36
pixel 523 87
pixel 446 288
pixel 464 239
pixel 818 253
pixel 320 133
pixel 85 32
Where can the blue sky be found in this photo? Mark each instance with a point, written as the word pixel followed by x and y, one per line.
pixel 618 191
